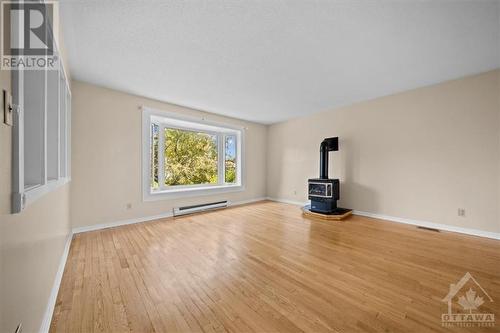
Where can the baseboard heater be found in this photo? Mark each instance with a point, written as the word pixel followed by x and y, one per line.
pixel 200 208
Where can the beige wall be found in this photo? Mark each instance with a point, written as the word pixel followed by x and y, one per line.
pixel 31 244
pixel 420 154
pixel 106 157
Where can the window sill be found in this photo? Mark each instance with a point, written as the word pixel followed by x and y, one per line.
pixel 34 193
pixel 191 192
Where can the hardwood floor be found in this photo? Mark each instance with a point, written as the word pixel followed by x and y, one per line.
pixel 265 268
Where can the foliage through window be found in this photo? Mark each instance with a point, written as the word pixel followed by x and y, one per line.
pixel 187 155
pixel 154 155
pixel 230 159
pixel 190 157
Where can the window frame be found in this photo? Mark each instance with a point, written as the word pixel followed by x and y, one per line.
pixel 23 196
pixel 188 123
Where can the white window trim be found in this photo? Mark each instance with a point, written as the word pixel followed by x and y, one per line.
pixel 175 120
pixel 21 196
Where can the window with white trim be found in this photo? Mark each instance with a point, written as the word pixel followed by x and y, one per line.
pixel 41 130
pixel 188 155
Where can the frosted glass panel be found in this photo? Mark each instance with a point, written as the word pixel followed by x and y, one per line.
pixel 52 125
pixel 34 137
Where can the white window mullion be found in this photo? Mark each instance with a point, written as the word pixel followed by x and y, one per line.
pixel 220 159
pixel 59 173
pixel 63 144
pixel 161 157
pixel 239 159
pixel 68 133
pixel 44 130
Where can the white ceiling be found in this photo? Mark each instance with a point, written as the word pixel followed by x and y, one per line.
pixel 268 61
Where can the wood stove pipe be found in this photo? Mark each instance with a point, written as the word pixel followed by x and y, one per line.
pixel 327 145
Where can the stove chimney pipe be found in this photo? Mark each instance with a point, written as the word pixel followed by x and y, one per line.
pixel 327 145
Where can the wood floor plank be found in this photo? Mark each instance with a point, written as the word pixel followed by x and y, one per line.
pixel 265 268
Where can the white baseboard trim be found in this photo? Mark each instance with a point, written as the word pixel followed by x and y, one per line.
pixel 100 226
pixel 439 226
pixel 291 202
pixel 444 227
pixel 47 317
pixel 94 227
pixel 244 202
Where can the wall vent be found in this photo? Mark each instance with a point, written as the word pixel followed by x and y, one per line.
pixel 428 229
pixel 200 208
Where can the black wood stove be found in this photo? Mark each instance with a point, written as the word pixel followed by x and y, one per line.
pixel 323 191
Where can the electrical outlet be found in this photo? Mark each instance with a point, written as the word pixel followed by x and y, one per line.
pixel 461 212
pixel 129 206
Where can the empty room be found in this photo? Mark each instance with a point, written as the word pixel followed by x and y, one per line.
pixel 250 166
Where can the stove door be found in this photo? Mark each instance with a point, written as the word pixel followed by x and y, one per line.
pixel 321 190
